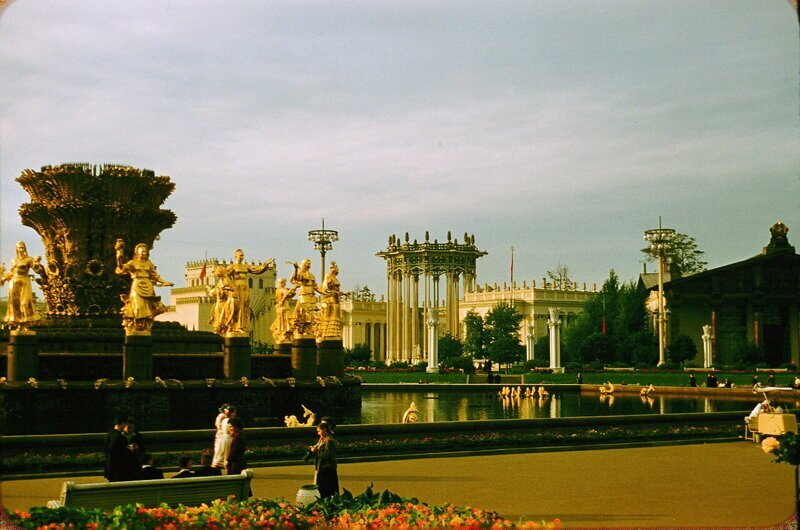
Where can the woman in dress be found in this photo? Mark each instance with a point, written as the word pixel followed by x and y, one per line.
pixel 237 272
pixel 330 321
pixel 326 476
pixel 282 328
pixel 222 440
pixel 21 312
pixel 224 310
pixel 304 318
pixel 141 305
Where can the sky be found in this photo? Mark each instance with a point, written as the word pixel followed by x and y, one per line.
pixel 563 129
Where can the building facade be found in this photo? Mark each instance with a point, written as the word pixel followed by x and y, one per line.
pixel 755 301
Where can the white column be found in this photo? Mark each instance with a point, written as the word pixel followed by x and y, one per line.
pixel 455 320
pixel 415 346
pixel 433 344
pixel 406 351
pixel 530 341
pixel 389 314
pixel 707 338
pixel 554 324
pixel 426 312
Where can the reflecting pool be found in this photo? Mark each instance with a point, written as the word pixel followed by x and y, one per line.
pixel 383 406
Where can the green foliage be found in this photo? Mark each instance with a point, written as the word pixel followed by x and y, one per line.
pixel 541 350
pixel 683 255
pixel 358 355
pixel 463 363
pixel 475 338
pixel 502 330
pixel 681 349
pixel 746 353
pixel 619 310
pixel 449 348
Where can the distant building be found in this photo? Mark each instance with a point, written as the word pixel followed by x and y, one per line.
pixel 532 302
pixel 756 300
pixel 364 322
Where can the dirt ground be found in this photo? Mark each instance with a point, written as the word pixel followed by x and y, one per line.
pixel 712 485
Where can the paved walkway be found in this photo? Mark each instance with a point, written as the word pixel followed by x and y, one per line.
pixel 713 485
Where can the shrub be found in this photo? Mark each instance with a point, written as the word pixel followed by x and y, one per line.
pixel 573 367
pixel 681 349
pixel 597 364
pixel 463 363
pixel 358 355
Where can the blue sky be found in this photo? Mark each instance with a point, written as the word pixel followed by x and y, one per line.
pixel 562 128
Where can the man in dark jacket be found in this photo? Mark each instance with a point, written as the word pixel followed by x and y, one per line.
pixel 185 464
pixel 117 454
pixel 149 471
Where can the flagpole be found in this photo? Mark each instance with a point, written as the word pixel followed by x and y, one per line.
pixel 512 275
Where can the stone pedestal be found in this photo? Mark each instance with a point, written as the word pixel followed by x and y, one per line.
pixel 283 347
pixel 22 356
pixel 304 358
pixel 236 363
pixel 330 358
pixel 137 357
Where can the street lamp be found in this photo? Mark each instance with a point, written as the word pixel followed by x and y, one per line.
pixel 323 241
pixel 660 239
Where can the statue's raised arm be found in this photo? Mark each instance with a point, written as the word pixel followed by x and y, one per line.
pixel 141 305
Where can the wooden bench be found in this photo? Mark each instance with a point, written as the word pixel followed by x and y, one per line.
pixel 151 493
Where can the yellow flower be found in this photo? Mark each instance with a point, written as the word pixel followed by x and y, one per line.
pixel 770 445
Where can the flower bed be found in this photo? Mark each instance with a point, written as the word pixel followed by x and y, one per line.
pixel 366 510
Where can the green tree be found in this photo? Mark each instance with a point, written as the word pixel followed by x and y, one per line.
pixel 683 255
pixel 502 330
pixel 474 336
pixel 681 349
pixel 604 330
pixel 450 348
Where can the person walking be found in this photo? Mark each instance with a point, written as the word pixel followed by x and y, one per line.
pixel 121 462
pixel 326 476
pixel 236 462
pixel 221 438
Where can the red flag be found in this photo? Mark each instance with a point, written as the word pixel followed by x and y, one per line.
pixel 203 272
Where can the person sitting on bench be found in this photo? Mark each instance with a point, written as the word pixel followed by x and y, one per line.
pixel 185 463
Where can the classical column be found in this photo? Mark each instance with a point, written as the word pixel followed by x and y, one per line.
pixel 707 337
pixel 405 353
pixel 426 311
pixel 454 307
pixel 433 341
pixel 530 341
pixel 415 316
pixel 389 310
pixel 448 303
pixel 554 325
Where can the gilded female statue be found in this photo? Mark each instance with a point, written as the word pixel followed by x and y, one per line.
pixel 305 310
pixel 21 311
pixel 282 328
pixel 237 272
pixel 224 310
pixel 330 319
pixel 141 305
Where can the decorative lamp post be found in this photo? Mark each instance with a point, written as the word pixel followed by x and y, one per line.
pixel 660 239
pixel 323 241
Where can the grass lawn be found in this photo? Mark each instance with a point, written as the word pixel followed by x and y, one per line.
pixel 655 377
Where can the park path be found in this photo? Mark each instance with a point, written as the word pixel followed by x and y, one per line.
pixel 712 485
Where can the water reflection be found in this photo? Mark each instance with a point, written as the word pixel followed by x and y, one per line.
pixel 388 407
